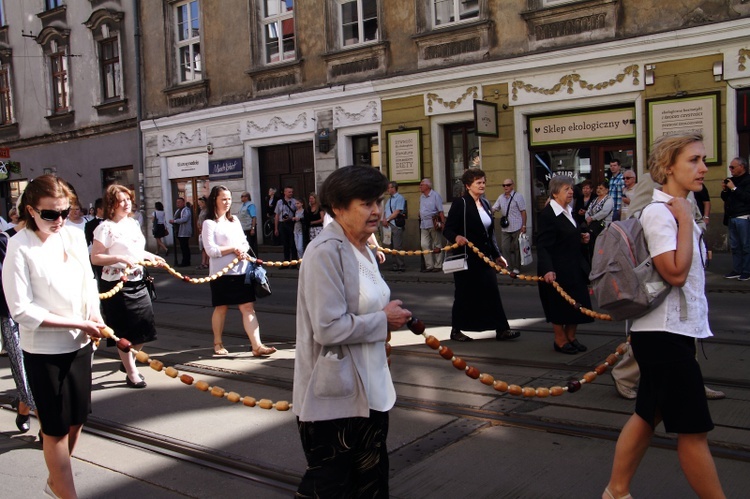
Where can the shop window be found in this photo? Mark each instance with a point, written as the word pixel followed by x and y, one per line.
pixel 121 176
pixel 358 21
pixel 461 151
pixel 6 98
pixel 362 150
pixel 278 30
pixel 16 188
pixel 188 41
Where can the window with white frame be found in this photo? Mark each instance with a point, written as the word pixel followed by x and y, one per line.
pixel 2 13
pixel 359 21
pixel 6 99
pixel 278 30
pixel 109 68
pixel 52 4
pixel 452 11
pixel 188 41
pixel 59 72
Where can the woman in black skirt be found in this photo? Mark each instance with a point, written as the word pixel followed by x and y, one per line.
pixel 560 259
pixel 45 261
pixel 223 240
pixel 119 243
pixel 476 305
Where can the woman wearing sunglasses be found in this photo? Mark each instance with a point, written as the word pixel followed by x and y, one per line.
pixel 119 244
pixel 45 261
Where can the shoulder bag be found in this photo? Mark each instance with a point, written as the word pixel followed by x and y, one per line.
pixel 457 263
pixel 256 275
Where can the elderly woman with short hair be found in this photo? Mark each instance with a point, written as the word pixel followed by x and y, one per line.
pixel 342 385
pixel 560 259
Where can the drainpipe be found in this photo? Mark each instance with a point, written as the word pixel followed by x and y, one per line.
pixel 139 106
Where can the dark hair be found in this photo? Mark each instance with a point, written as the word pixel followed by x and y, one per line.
pixel 159 206
pixel 98 203
pixel 110 199
pixel 615 160
pixel 44 186
pixel 471 175
pixel 349 183
pixel 603 183
pixel 393 184
pixel 211 203
pixel 587 182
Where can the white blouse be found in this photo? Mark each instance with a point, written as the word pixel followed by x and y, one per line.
pixel 374 295
pixel 216 234
pixel 121 238
pixel 39 279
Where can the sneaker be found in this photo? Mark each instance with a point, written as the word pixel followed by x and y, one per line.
pixel 732 275
pixel 714 394
pixel 744 277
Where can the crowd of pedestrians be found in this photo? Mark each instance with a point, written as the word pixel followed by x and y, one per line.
pixel 345 313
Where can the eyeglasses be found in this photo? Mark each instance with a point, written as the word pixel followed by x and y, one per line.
pixel 507 185
pixel 52 215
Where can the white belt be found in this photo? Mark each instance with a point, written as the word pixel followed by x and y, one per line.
pixel 744 217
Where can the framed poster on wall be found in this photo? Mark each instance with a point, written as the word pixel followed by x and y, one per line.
pixel 688 114
pixel 405 155
pixel 485 119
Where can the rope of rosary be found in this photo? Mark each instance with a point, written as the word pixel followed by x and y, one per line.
pixel 415 325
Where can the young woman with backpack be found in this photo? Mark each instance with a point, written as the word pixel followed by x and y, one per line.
pixel 671 386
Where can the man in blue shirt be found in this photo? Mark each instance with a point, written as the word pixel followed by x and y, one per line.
pixel 183 226
pixel 394 216
pixel 249 221
pixel 431 235
pixel 616 185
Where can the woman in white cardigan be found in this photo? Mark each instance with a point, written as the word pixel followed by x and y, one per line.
pixel 342 385
pixel 45 261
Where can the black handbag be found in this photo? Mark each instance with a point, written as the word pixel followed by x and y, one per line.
pixel 148 279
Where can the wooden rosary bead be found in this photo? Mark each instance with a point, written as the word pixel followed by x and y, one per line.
pixel 612 359
pixel 556 391
pixel 187 379
pixel 601 369
pixel 486 379
pixel 156 365
pixel 446 353
pixel 515 390
pixel 248 401
pixel 124 345
pixel 542 392
pixel 500 386
pixel 233 397
pixel 529 392
pixel 589 376
pixel 622 348
pixel 171 372
pixel 107 332
pixel 265 404
pixel 459 363
pixel 202 386
pixel 217 391
pixel 142 357
pixel 472 372
pixel 432 342
pixel 282 405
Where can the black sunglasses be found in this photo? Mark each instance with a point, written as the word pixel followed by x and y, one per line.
pixel 52 215
pixel 507 185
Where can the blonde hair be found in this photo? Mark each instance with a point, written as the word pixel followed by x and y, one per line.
pixel 664 152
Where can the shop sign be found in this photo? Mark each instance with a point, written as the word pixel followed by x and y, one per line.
pixel 593 126
pixel 221 169
pixel 683 115
pixel 189 165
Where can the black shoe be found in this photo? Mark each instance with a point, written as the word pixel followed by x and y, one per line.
pixel 122 370
pixel 457 335
pixel 507 335
pixel 140 384
pixel 566 348
pixel 22 423
pixel 579 346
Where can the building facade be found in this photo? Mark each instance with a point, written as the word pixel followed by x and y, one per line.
pixel 273 93
pixel 68 92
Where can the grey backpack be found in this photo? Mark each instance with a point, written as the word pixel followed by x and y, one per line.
pixel 624 279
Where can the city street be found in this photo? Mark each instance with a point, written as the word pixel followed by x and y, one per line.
pixel 450 436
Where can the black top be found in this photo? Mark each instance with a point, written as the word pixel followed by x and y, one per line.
pixel 737 202
pixel 702 197
pixel 475 232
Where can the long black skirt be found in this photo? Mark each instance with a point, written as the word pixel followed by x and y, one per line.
pixel 129 312
pixel 557 310
pixel 476 304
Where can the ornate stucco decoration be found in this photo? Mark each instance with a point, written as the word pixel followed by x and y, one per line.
pixel 277 125
pixel 447 102
pixel 182 140
pixel 742 55
pixel 369 114
pixel 570 81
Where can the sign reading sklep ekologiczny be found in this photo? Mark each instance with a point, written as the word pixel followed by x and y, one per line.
pixel 592 126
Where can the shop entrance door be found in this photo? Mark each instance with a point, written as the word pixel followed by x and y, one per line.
pixel 190 189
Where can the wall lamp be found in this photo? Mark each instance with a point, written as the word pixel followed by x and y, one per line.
pixel 648 75
pixel 718 70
